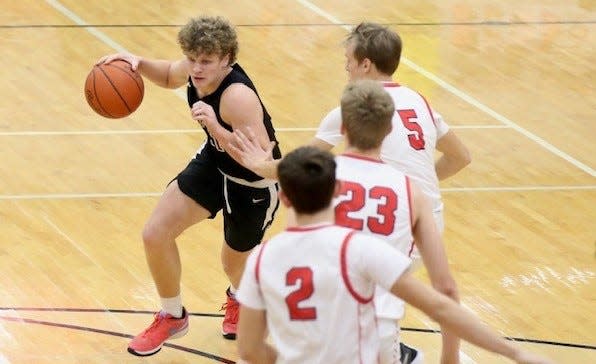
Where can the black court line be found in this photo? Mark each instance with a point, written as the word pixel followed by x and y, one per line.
pixel 471 23
pixel 100 310
pixel 114 333
pixel 178 347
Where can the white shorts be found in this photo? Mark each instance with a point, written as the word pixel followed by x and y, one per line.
pixel 389 336
pixel 389 348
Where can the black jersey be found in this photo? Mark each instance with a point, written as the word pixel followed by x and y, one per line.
pixel 224 162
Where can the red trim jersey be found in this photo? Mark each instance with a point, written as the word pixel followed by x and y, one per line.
pixel 375 198
pixel 316 284
pixel 410 146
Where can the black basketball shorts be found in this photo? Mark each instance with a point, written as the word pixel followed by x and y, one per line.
pixel 248 207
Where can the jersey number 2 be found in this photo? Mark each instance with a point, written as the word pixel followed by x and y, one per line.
pixel 304 291
pixel 386 206
pixel 416 138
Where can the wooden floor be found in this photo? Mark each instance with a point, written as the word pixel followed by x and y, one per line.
pixel 514 79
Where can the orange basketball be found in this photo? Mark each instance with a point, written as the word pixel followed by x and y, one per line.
pixel 114 90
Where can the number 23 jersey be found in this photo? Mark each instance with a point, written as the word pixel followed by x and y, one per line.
pixel 411 145
pixel 375 198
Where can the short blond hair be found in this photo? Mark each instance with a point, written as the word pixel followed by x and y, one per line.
pixel 366 113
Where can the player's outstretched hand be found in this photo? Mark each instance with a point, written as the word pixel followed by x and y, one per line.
pixel 246 150
pixel 127 57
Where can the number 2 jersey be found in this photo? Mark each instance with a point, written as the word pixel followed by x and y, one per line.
pixel 375 198
pixel 316 284
pixel 410 146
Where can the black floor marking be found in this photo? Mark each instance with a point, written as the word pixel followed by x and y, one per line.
pixel 114 333
pixel 463 23
pixel 198 314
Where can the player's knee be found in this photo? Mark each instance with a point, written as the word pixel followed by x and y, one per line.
pixel 152 236
pixel 226 265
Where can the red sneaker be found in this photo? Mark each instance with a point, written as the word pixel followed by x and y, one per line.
pixel 230 322
pixel 163 328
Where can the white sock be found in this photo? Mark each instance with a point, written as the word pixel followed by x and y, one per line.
pixel 172 305
pixel 232 290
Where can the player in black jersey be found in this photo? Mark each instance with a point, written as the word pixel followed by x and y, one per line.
pixel 222 98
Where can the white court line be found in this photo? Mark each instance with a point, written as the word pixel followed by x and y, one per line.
pixel 70 240
pixel 73 196
pixel 462 95
pixel 180 131
pixel 519 188
pixel 465 97
pixel 65 196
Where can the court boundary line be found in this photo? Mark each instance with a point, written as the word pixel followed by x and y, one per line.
pixel 116 334
pixel 465 97
pixel 93 195
pixel 498 23
pixel 200 314
pixel 181 131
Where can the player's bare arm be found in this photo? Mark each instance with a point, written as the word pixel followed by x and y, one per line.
pixel 455 155
pixel 321 144
pixel 248 152
pixel 431 248
pixel 167 74
pixel 240 108
pixel 451 315
pixel 245 149
pixel 252 332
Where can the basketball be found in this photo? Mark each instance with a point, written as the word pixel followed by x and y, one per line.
pixel 114 90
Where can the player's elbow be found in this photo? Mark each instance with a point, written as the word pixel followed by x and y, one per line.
pixel 461 159
pixel 465 157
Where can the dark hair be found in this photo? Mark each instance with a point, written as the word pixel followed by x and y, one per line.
pixel 307 178
pixel 381 45
pixel 366 113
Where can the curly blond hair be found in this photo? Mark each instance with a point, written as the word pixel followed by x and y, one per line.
pixel 209 35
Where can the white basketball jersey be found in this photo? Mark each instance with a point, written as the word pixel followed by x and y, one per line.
pixel 375 198
pixel 411 144
pixel 316 284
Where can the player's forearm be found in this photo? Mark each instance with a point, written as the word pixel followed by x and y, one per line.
pixel 455 155
pixel 263 353
pixel 462 323
pixel 157 71
pixel 222 135
pixel 450 341
pixel 267 169
pixel 450 347
pixel 447 166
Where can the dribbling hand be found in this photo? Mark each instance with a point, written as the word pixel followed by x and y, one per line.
pixel 127 57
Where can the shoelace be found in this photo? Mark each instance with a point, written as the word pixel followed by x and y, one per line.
pixel 230 303
pixel 159 316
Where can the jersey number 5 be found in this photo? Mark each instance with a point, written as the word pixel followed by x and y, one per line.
pixel 303 275
pixel 416 138
pixel 386 202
